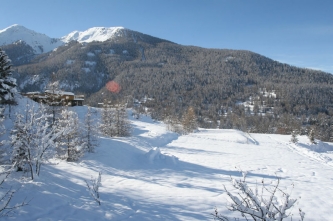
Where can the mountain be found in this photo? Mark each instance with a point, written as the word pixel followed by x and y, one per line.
pixel 94 34
pixel 40 43
pixel 22 44
pixel 227 88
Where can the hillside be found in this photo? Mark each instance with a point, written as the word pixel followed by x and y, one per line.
pixel 159 175
pixel 227 88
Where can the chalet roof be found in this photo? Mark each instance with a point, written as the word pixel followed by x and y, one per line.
pixel 58 92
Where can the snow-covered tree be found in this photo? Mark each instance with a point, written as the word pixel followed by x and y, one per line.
pixel 90 131
pixel 106 126
pixel 32 140
pixel 69 143
pixel 294 135
pixel 122 125
pixel 269 203
pixel 189 121
pixel 115 120
pixel 7 83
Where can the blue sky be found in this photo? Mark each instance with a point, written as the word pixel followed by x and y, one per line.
pixel 297 32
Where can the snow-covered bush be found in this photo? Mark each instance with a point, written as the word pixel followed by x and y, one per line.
pixel 6 196
pixel 93 188
pixel 270 203
pixel 294 138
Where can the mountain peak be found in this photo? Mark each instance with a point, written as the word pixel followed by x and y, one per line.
pixel 40 43
pixel 93 34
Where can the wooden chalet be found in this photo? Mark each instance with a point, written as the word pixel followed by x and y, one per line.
pixel 56 98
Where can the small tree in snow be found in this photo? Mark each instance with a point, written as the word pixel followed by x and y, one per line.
pixel 114 120
pixel 122 125
pixel 294 137
pixel 32 140
pixel 270 204
pixel 93 188
pixel 54 102
pixel 91 130
pixel 69 143
pixel 106 126
pixel 6 196
pixel 7 83
pixel 311 136
pixel 189 121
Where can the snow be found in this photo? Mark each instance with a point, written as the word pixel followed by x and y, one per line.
pixel 90 63
pixel 87 70
pixel 42 43
pixel 69 62
pixel 159 175
pixel 93 34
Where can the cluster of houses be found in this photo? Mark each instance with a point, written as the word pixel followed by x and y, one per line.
pixel 56 97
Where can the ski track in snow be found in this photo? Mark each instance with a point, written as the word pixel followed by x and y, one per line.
pixel 159 175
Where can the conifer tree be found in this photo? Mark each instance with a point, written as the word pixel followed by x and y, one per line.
pixel 7 83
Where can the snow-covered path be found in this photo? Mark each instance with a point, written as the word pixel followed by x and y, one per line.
pixel 181 178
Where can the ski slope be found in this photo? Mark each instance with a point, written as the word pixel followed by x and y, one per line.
pixel 159 175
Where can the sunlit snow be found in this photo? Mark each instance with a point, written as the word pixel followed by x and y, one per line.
pixel 159 175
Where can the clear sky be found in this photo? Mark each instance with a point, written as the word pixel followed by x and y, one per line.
pixel 297 32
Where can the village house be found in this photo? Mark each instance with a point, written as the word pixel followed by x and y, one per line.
pixel 56 98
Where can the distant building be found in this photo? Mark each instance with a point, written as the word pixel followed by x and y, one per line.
pixel 56 97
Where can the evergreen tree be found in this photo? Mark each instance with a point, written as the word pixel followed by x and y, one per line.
pixel 7 83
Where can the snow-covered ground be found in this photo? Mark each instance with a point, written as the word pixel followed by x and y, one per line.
pixel 159 175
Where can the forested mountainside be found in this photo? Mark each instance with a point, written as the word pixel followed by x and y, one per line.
pixel 227 88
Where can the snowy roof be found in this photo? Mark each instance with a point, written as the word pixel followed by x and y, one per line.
pixel 58 92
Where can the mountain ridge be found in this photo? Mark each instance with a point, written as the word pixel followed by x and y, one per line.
pixel 227 88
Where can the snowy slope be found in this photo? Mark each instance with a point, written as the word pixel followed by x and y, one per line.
pixel 93 34
pixel 39 42
pixel 159 175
